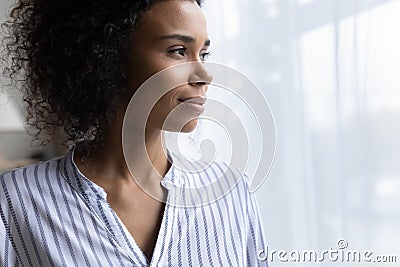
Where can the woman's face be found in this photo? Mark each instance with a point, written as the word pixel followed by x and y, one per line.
pixel 172 32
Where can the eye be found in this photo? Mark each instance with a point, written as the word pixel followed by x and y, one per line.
pixel 205 55
pixel 178 51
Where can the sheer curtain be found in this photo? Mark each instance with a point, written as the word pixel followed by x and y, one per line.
pixel 330 70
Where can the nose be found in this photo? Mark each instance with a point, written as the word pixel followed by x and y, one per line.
pixel 199 75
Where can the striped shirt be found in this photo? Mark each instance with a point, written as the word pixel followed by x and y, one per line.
pixel 52 215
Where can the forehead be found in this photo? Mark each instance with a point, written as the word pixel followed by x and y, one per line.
pixel 167 16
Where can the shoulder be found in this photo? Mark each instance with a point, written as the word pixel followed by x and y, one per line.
pixel 209 182
pixel 20 180
pixel 203 173
pixel 30 170
pixel 229 173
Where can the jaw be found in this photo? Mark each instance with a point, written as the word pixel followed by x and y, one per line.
pixel 190 126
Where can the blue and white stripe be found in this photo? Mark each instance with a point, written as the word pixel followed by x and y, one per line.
pixel 51 215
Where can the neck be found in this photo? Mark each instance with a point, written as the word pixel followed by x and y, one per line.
pixel 146 158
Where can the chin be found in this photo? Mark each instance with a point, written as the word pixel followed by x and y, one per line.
pixel 190 126
pixel 176 126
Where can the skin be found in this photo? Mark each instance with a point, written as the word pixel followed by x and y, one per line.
pixel 170 33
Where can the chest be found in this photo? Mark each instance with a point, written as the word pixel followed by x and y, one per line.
pixel 142 216
pixel 189 237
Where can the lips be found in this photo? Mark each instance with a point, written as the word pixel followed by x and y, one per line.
pixel 194 104
pixel 193 100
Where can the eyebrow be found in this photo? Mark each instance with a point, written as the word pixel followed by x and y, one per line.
pixel 184 38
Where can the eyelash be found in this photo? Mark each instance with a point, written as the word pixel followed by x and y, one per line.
pixel 181 52
pixel 205 56
pixel 176 51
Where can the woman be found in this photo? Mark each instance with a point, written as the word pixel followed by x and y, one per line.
pixel 82 61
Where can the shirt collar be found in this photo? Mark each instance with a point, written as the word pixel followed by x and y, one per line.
pixel 90 190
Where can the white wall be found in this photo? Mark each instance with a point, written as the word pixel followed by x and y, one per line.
pixel 11 117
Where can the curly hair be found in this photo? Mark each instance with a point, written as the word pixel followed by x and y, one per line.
pixel 67 57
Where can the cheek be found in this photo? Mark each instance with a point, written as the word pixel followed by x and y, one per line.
pixel 141 68
pixel 167 103
pixel 167 115
pixel 149 63
pixel 163 108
